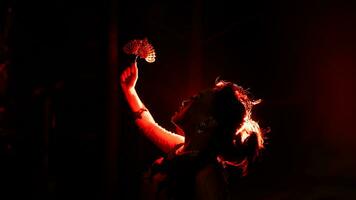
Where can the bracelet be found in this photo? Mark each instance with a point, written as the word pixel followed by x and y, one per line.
pixel 138 114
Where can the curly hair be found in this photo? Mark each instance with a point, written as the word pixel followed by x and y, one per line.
pixel 240 137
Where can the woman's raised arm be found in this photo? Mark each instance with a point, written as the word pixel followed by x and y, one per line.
pixel 163 139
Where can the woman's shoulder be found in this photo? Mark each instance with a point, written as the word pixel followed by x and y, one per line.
pixel 210 183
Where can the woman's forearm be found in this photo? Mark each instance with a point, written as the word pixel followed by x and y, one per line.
pixel 163 139
pixel 136 104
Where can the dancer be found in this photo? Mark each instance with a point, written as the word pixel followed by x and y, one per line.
pixel 214 129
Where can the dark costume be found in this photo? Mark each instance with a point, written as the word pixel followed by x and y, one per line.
pixel 190 175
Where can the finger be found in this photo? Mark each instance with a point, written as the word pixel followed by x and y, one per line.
pixel 134 68
pixel 128 71
pixel 123 77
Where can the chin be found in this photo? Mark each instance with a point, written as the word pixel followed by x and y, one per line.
pixel 176 118
pixel 179 130
pixel 174 121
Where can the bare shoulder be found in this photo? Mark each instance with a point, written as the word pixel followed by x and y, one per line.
pixel 210 184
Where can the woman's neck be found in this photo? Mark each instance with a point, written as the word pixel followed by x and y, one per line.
pixel 198 142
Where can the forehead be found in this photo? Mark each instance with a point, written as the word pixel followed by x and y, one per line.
pixel 203 95
pixel 203 99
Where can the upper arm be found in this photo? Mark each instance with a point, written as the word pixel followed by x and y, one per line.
pixel 162 138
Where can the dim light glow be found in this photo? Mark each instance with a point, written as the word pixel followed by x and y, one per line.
pixel 248 127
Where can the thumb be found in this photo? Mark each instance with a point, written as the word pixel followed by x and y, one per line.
pixel 134 68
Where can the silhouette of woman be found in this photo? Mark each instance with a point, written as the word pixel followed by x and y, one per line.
pixel 218 132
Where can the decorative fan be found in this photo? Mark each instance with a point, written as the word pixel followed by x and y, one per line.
pixel 142 49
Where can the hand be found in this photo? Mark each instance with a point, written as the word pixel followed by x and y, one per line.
pixel 129 78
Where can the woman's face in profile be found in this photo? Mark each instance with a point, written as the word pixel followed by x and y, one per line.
pixel 178 116
pixel 193 110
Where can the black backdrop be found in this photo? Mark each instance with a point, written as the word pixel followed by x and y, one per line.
pixel 68 132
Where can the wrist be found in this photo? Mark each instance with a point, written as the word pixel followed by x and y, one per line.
pixel 129 91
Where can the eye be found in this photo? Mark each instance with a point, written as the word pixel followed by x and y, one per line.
pixel 185 102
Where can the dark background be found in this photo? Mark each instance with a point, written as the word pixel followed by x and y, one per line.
pixel 66 132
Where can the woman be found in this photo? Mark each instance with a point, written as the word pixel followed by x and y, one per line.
pixel 218 132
